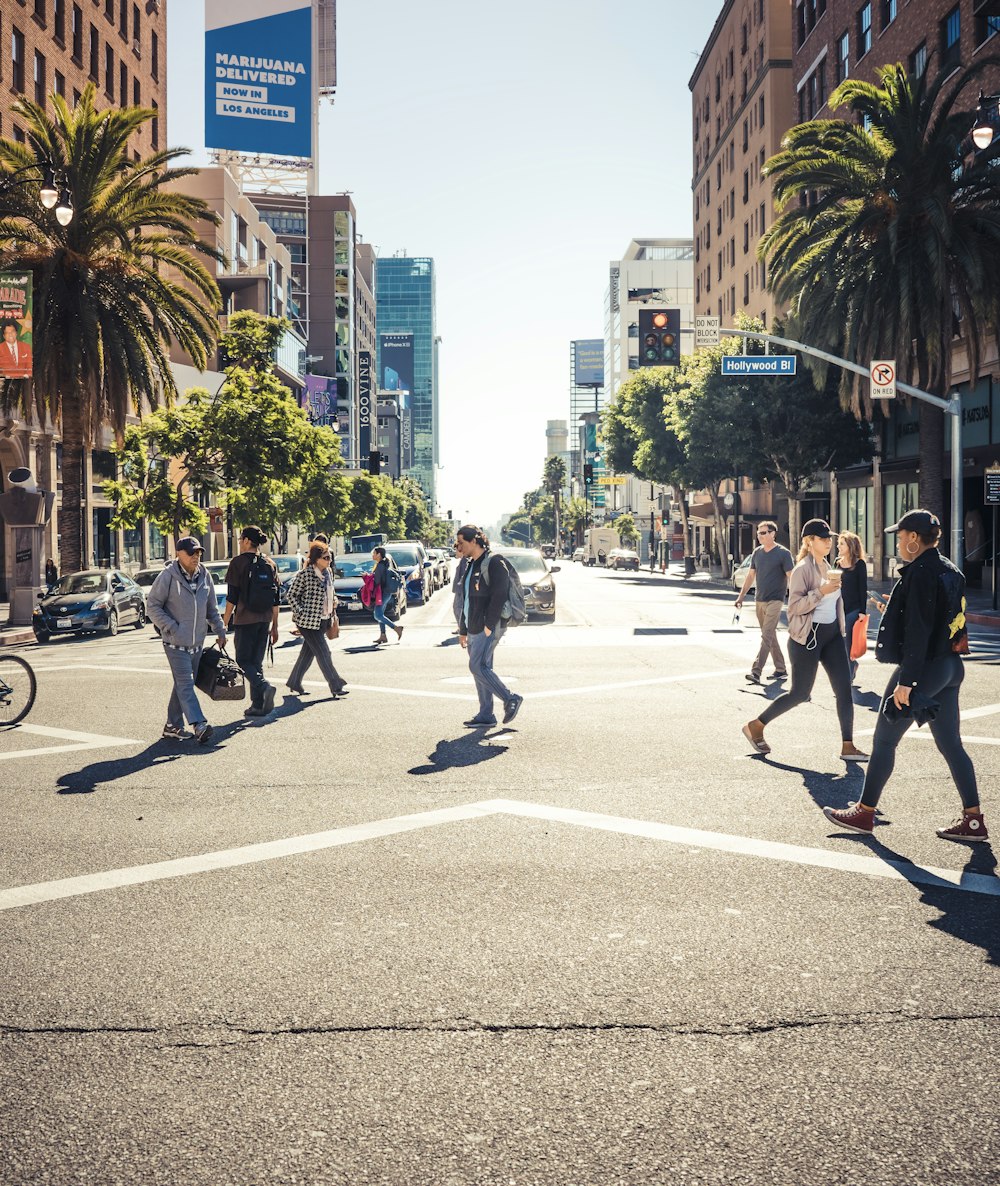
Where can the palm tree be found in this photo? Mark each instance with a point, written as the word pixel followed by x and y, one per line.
pixel 113 289
pixel 889 232
pixel 553 480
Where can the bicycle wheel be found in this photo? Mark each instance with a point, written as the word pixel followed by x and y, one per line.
pixel 17 689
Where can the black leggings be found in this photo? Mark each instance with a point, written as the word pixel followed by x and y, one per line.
pixel 940 679
pixel 825 645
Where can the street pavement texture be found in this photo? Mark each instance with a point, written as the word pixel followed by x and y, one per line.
pixel 358 943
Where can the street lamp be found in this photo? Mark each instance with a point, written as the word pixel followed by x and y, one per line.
pixel 986 114
pixel 54 192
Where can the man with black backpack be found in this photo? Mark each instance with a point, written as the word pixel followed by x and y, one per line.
pixel 252 603
pixel 492 601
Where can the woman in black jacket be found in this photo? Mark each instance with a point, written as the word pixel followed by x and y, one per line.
pixel 922 631
pixel 382 596
pixel 853 585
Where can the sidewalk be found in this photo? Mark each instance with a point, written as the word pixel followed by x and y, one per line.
pixel 12 636
pixel 979 602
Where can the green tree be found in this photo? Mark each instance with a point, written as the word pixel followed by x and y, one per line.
pixel 628 533
pixel 904 233
pixel 107 303
pixel 575 519
pixel 553 481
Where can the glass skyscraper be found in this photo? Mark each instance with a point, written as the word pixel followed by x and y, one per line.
pixel 407 359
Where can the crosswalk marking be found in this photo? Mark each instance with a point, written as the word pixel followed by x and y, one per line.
pixel 75 741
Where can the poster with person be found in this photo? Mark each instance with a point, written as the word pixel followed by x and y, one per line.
pixel 15 325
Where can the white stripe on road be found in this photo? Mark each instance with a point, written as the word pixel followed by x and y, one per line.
pixel 968 714
pixel 836 861
pixel 77 741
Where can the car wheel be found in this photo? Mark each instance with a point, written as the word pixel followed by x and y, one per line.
pixel 113 623
pixel 42 636
pixel 140 618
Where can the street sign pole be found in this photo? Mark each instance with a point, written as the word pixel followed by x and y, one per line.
pixel 991 481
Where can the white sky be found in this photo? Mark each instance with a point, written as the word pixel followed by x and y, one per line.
pixel 521 145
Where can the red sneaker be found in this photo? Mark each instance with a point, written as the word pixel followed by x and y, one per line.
pixel 971 828
pixel 852 819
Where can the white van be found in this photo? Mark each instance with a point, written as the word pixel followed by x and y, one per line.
pixel 597 543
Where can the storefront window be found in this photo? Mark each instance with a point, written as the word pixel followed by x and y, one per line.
pixel 855 514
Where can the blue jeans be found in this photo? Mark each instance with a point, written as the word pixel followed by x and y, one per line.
pixel 379 612
pixel 488 683
pixel 183 699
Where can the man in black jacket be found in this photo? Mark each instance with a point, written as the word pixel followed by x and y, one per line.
pixel 481 625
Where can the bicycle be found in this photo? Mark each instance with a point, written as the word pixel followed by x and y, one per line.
pixel 17 689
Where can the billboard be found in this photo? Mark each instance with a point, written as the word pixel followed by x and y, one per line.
pixel 588 363
pixel 319 400
pixel 366 398
pixel 259 76
pixel 15 325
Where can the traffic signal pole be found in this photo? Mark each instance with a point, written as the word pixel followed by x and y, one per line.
pixel 952 406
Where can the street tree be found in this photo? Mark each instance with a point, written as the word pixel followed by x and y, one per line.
pixel 888 240
pixel 553 481
pixel 625 526
pixel 113 289
pixel 574 517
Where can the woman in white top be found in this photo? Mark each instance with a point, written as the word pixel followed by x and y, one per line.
pixel 816 629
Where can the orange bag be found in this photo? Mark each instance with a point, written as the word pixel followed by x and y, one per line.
pixel 859 637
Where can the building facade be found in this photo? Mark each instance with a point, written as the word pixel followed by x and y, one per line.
pixel 741 92
pixel 408 360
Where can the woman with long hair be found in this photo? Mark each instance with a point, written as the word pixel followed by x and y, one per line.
pixel 923 632
pixel 816 636
pixel 314 611
pixel 851 560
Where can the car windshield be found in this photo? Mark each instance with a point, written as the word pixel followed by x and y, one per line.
pixel 352 566
pixel 219 570
pixel 404 555
pixel 147 576
pixel 82 582
pixel 287 563
pixel 528 564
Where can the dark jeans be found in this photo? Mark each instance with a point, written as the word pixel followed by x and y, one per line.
pixel 488 683
pixel 315 646
pixel 940 679
pixel 824 645
pixel 251 647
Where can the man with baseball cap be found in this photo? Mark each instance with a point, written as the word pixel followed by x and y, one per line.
pixel 182 603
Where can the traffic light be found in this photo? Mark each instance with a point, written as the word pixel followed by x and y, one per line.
pixel 659 337
pixel 588 474
pixel 374 463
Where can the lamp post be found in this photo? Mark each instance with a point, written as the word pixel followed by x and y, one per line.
pixel 986 116
pixel 53 193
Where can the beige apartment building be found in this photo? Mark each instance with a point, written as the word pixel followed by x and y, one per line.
pixel 741 93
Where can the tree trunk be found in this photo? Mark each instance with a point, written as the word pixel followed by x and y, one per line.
pixel 794 517
pixel 931 483
pixel 721 538
pixel 72 542
pixel 686 530
pixel 558 539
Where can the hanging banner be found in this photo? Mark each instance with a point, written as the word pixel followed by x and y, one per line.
pixel 15 325
pixel 364 403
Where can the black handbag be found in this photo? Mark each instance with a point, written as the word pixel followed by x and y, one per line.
pixel 219 677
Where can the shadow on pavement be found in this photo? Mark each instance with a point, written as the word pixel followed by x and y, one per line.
pixel 466 750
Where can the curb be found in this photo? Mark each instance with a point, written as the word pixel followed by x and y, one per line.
pixel 15 637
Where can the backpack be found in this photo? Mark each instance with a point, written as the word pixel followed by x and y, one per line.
pixel 393 582
pixel 367 591
pixel 258 591
pixel 514 611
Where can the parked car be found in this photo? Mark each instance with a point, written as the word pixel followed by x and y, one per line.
pixel 145 576
pixel 88 601
pixel 625 558
pixel 288 564
pixel 549 551
pixel 348 574
pixel 536 580
pixel 442 569
pixel 415 565
pixel 740 575
pixel 577 555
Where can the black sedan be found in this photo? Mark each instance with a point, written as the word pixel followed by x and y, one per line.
pixel 348 573
pixel 536 581
pixel 84 602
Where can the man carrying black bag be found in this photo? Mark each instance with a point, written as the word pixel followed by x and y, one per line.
pixel 252 605
pixel 181 602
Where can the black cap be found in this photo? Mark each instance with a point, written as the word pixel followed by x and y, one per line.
pixel 188 544
pixel 817 527
pixel 922 522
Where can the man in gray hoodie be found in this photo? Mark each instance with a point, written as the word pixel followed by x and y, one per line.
pixel 182 604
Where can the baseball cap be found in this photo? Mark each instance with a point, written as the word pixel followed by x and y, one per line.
pixel 188 544
pixel 817 527
pixel 922 522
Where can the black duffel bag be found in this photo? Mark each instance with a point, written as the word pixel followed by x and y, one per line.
pixel 219 677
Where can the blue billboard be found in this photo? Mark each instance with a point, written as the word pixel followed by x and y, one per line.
pixel 259 78
pixel 588 362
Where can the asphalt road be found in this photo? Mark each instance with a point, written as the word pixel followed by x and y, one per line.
pixel 358 943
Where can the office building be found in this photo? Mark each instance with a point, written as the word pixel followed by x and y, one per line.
pixel 407 359
pixel 389 437
pixel 741 93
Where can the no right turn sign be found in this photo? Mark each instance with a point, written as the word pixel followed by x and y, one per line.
pixel 883 379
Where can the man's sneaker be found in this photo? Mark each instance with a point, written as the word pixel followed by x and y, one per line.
pixel 779 675
pixel 479 723
pixel 175 733
pixel 511 708
pixel 851 753
pixel 971 828
pixel 852 819
pixel 203 733
pixel 268 704
pixel 752 677
pixel 255 711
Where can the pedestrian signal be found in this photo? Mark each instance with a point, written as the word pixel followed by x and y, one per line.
pixel 374 463
pixel 588 474
pixel 659 337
